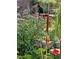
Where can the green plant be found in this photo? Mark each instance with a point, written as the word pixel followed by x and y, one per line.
pixel 27 56
pixel 28 32
pixel 57 23
pixel 20 57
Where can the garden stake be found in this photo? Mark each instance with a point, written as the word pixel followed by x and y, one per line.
pixel 47 28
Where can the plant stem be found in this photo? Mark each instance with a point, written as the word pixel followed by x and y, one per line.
pixel 47 29
pixel 54 56
pixel 41 54
pixel 46 48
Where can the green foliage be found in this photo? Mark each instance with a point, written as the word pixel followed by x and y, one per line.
pixel 49 1
pixel 28 32
pixel 32 29
pixel 27 56
pixel 49 57
pixel 40 50
pixel 57 23
pixel 20 57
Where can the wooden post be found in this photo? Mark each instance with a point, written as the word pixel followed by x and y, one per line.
pixel 47 29
pixel 47 23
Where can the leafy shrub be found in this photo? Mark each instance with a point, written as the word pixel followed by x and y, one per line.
pixel 28 32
